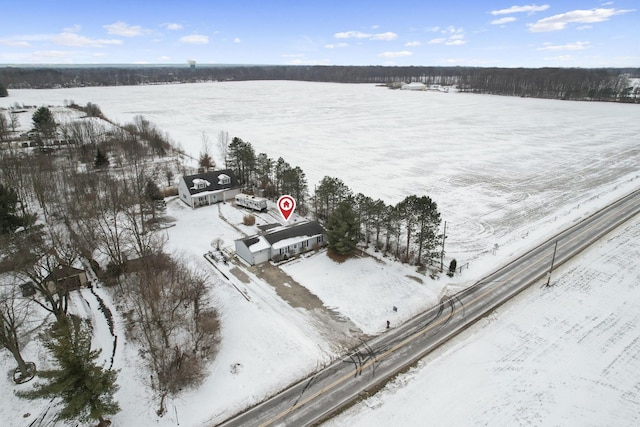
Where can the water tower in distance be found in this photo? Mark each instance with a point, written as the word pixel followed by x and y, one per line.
pixel 192 64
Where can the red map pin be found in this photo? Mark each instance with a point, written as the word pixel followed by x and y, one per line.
pixel 286 205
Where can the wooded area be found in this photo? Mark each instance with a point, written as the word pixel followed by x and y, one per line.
pixel 598 84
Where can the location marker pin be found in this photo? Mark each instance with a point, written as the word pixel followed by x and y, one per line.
pixel 286 205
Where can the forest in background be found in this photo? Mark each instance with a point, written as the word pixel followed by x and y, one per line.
pixel 594 84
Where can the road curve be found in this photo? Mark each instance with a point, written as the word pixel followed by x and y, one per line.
pixel 369 366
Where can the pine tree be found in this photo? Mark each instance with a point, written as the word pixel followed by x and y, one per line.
pixel 101 160
pixel 43 122
pixel 85 389
pixel 3 91
pixel 9 220
pixel 343 229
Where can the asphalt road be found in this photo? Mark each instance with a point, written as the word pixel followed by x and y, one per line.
pixel 363 371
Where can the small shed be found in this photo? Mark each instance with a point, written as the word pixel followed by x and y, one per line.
pixel 65 278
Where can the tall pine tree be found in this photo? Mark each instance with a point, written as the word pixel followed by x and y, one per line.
pixel 343 229
pixel 85 389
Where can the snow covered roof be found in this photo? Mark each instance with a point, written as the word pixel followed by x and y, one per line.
pixel 213 180
pixel 283 236
pixel 306 229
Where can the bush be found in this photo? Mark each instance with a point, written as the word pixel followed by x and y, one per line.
pixel 249 220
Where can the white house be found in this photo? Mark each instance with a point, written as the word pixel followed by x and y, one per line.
pixel 208 188
pixel 281 242
pixel 414 86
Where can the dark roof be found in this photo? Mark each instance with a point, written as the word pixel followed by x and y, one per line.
pixel 310 229
pixel 62 272
pixel 251 240
pixel 212 177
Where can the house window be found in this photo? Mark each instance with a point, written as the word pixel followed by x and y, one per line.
pixel 224 179
pixel 319 239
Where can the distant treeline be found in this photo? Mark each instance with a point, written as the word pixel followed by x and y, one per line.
pixel 601 84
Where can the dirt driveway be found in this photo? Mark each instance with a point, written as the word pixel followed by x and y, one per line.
pixel 330 323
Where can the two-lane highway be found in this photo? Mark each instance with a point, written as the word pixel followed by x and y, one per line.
pixel 369 366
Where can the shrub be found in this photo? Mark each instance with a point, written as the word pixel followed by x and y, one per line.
pixel 249 220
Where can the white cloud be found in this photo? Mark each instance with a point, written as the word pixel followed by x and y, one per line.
pixel 569 46
pixel 504 20
pixel 453 37
pixel 74 39
pixel 520 9
pixel 352 35
pixel 172 26
pixel 560 22
pixel 195 39
pixel 399 54
pixel 237 40
pixel 14 43
pixel 433 29
pixel 335 45
pixel 125 30
pixel 73 29
pixel 164 58
pixel 384 36
pixel 360 35
pixel 413 43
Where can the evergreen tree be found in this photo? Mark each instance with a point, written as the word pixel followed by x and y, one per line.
pixel 43 122
pixel 85 389
pixel 9 221
pixel 3 91
pixel 343 229
pixel 101 160
pixel 206 162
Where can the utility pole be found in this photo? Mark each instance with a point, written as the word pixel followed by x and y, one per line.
pixel 444 236
pixel 555 248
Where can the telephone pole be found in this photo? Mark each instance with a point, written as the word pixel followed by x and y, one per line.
pixel 444 236
pixel 555 248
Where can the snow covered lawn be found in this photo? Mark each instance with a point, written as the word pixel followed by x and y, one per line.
pixel 566 355
pixel 367 289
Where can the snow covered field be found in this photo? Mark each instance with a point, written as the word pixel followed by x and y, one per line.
pixel 505 172
pixel 495 165
pixel 566 355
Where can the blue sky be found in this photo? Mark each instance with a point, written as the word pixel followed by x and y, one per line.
pixel 503 33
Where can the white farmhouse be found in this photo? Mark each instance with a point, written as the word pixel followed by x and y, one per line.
pixel 281 242
pixel 208 188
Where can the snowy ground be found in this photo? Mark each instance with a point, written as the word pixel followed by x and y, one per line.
pixel 504 171
pixel 567 355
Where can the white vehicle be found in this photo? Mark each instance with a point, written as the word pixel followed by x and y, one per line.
pixel 251 202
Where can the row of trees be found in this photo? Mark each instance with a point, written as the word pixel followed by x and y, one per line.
pixel 408 230
pixel 263 174
pixel 95 199
pixel 605 84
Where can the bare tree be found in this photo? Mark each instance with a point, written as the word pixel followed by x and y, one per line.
pixel 14 313
pixel 14 119
pixel 223 146
pixel 172 321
